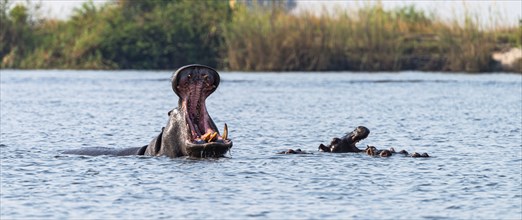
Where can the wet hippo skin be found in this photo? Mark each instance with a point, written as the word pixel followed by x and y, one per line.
pixel 190 131
pixel 347 142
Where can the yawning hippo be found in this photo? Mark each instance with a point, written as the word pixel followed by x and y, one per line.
pixel 346 143
pixel 189 131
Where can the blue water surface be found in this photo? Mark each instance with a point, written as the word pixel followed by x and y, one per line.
pixel 471 125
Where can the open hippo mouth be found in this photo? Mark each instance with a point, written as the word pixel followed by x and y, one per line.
pixel 359 134
pixel 193 84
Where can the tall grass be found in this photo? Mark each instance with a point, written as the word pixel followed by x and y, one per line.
pixel 128 34
pixel 369 39
pixel 274 40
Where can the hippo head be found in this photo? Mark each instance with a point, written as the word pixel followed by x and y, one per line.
pixel 359 134
pixel 193 84
pixel 346 143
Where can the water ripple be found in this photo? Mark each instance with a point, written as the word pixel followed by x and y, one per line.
pixel 472 135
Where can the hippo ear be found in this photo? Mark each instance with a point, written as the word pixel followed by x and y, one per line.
pixel 157 143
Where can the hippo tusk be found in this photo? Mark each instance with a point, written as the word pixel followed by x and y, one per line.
pixel 225 132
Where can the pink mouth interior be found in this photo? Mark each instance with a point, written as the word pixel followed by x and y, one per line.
pixel 194 88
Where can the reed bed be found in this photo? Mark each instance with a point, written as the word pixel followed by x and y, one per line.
pixel 167 34
pixel 368 39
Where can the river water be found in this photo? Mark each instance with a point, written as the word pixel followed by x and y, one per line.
pixel 470 125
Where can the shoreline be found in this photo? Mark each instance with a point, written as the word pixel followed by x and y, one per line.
pixel 280 72
pixel 143 35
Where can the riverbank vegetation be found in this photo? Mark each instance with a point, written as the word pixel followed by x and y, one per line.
pixel 128 34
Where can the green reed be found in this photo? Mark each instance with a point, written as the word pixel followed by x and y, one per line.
pixel 167 34
pixel 368 39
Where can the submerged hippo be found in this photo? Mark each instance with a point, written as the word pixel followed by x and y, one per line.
pixel 373 151
pixel 190 130
pixel 339 145
pixel 346 143
pixel 292 151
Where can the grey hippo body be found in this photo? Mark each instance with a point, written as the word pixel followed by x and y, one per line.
pixel 346 143
pixel 373 151
pixel 190 131
pixel 339 145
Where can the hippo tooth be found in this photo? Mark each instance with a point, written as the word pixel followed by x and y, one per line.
pixel 225 132
pixel 209 136
pixel 212 137
pixel 206 137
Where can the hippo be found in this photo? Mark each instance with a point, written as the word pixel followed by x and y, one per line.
pixel 190 131
pixel 339 145
pixel 292 151
pixel 373 151
pixel 347 142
